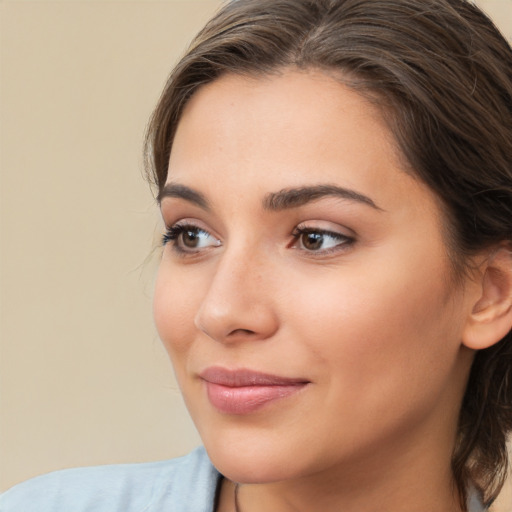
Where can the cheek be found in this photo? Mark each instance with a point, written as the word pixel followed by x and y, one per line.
pixel 383 328
pixel 383 350
pixel 174 306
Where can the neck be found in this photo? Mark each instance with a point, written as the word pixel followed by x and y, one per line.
pixel 290 498
pixel 414 481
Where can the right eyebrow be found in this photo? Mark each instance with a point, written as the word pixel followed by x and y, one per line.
pixel 183 192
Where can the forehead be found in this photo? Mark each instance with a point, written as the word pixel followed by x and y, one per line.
pixel 252 134
pixel 299 106
pixel 281 101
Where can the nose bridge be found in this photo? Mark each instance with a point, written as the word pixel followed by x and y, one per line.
pixel 238 302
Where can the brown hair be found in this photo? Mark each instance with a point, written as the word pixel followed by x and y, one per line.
pixel 442 74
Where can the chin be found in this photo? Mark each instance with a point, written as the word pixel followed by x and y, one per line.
pixel 251 459
pixel 250 470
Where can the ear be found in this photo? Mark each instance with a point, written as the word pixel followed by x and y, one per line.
pixel 491 316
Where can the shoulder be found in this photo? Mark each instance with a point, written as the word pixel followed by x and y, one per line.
pixel 185 484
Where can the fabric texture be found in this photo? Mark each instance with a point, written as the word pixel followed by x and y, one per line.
pixel 186 484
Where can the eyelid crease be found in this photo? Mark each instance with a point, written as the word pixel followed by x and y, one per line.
pixel 306 229
pixel 326 226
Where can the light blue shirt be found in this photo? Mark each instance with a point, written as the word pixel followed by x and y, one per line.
pixel 186 484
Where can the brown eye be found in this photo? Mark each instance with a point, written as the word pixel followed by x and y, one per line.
pixel 194 238
pixel 312 241
pixel 321 241
pixel 190 238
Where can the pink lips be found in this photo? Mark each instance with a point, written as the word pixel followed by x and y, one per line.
pixel 246 391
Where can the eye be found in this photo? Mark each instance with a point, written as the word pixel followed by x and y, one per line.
pixel 320 241
pixel 187 238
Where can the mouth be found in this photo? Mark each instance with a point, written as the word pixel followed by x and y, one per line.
pixel 245 391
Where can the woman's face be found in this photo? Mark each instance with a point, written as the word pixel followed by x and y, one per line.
pixel 305 293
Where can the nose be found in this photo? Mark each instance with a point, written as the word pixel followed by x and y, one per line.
pixel 239 303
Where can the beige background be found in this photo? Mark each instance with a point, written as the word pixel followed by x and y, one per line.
pixel 83 378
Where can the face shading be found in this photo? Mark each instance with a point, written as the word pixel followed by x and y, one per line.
pixel 305 294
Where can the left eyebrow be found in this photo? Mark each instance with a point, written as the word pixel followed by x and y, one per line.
pixel 295 197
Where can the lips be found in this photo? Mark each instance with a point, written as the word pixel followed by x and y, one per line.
pixel 245 391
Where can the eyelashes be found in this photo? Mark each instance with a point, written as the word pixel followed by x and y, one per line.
pixel 189 239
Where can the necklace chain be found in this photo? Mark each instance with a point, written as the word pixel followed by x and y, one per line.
pixel 237 487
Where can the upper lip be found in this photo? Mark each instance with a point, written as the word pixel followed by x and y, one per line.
pixel 245 377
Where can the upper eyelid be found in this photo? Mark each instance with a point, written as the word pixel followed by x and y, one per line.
pixel 188 222
pixel 307 225
pixel 332 227
pixel 183 225
pixel 301 227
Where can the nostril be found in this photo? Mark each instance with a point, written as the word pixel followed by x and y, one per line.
pixel 243 332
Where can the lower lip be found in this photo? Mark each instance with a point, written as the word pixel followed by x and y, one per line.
pixel 247 399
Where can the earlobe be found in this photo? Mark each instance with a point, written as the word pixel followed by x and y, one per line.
pixel 491 316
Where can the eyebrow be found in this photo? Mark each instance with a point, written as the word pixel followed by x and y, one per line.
pixel 183 192
pixel 275 201
pixel 295 197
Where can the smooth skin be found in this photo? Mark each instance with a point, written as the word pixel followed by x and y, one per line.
pixel 351 291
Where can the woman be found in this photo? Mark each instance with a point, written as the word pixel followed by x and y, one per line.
pixel 335 290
